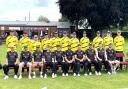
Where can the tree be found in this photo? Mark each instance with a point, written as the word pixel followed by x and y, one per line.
pixel 43 19
pixel 100 14
pixel 63 19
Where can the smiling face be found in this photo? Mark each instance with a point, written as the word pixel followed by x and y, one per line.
pixel 35 38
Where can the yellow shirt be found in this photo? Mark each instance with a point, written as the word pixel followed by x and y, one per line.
pixel 84 42
pixel 54 43
pixel 119 43
pixel 25 41
pixel 74 42
pixel 96 42
pixel 11 40
pixel 107 40
pixel 45 42
pixel 65 41
pixel 34 44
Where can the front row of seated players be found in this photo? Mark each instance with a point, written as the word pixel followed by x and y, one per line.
pixel 66 59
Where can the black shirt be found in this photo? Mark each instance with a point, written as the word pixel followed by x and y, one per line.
pixel 37 55
pixel 111 54
pixel 11 57
pixel 79 54
pixel 48 56
pixel 91 54
pixel 69 54
pixel 101 53
pixel 25 56
pixel 59 56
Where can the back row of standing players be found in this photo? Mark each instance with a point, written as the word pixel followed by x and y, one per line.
pixel 96 52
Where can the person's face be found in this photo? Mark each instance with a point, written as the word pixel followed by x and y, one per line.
pixel 98 34
pixel 100 45
pixel 12 48
pixel 74 36
pixel 69 47
pixel 48 48
pixel 12 33
pixel 25 49
pixel 118 33
pixel 58 48
pixel 25 35
pixel 56 35
pixel 79 47
pixel 37 48
pixel 36 38
pixel 90 47
pixel 84 35
pixel 110 45
pixel 65 35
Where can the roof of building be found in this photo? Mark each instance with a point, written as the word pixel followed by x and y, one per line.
pixel 35 23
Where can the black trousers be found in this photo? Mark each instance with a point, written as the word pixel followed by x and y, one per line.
pixel 51 65
pixel 68 65
pixel 120 59
pixel 6 68
pixel 106 65
pixel 96 64
pixel 63 66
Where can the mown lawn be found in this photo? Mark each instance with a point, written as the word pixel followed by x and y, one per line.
pixel 118 81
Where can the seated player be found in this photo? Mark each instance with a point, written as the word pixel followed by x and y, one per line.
pixel 69 60
pixel 49 60
pixel 59 59
pixel 25 61
pixel 111 55
pixel 102 58
pixel 80 59
pixel 37 61
pixel 11 61
pixel 91 57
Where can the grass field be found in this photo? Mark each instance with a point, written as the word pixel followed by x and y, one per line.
pixel 118 81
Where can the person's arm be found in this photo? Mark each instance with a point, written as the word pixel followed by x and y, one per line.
pixel 16 58
pixel 97 55
pixel 33 58
pixel 105 54
pixel 7 59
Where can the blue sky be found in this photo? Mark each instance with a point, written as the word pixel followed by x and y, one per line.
pixel 12 10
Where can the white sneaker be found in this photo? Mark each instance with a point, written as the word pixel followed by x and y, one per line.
pixel 6 77
pixel 34 75
pixel 114 72
pixel 41 76
pixel 96 73
pixel 74 74
pixel 99 73
pixel 53 76
pixel 90 73
pixel 109 73
pixel 15 76
pixel 78 75
pixel 85 74
pixel 20 77
pixel 29 77
pixel 67 74
pixel 45 75
pixel 63 74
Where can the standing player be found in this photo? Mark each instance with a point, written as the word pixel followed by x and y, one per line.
pixel 108 39
pixel 11 61
pixel 65 41
pixel 74 42
pixel 25 40
pixel 37 61
pixel 84 42
pixel 111 54
pixel 80 59
pixel 59 59
pixel 102 58
pixel 11 39
pixel 119 47
pixel 49 60
pixel 69 60
pixel 25 61
pixel 97 40
pixel 91 57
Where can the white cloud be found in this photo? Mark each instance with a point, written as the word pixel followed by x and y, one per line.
pixel 18 9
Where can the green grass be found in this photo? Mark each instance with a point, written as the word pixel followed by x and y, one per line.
pixel 118 81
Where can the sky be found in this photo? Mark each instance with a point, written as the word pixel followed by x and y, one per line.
pixel 12 10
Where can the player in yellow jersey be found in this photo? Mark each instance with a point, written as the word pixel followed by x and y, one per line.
pixel 65 41
pixel 46 41
pixel 74 42
pixel 84 42
pixel 119 46
pixel 108 39
pixel 25 40
pixel 98 39
pixel 54 42
pixel 11 39
pixel 35 42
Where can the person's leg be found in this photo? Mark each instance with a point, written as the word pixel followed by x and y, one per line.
pixel 53 67
pixel 21 65
pixel 33 69
pixel 96 66
pixel 89 67
pixel 78 67
pixel 85 67
pixel 16 67
pixel 121 60
pixel 5 68
pixel 30 69
pixel 74 68
pixel 41 69
pixel 107 66
pixel 44 69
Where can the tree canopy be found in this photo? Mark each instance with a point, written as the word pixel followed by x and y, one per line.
pixel 42 18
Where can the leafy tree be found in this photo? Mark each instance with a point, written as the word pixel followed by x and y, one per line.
pixel 43 19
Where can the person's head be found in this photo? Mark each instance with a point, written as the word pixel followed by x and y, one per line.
pixel 65 34
pixel 69 47
pixel 25 34
pixel 25 47
pixel 84 34
pixel 119 33
pixel 79 47
pixel 55 34
pixel 110 45
pixel 74 34
pixel 35 37
pixel 37 48
pixel 58 47
pixel 48 48
pixel 12 33
pixel 12 48
pixel 90 45
pixel 98 33
pixel 108 33
pixel 100 45
pixel 46 35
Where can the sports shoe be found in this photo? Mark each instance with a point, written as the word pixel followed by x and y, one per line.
pixel 90 73
pixel 29 77
pixel 6 77
pixel 99 73
pixel 63 74
pixel 109 73
pixel 85 74
pixel 67 74
pixel 15 76
pixel 45 75
pixel 78 75
pixel 53 76
pixel 74 74
pixel 96 73
pixel 34 75
pixel 20 77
